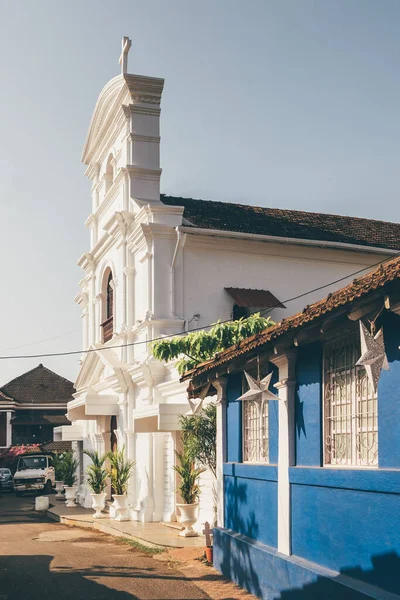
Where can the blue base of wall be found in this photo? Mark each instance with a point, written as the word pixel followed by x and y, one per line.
pixel 271 576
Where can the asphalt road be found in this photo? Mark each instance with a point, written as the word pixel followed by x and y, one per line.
pixel 42 560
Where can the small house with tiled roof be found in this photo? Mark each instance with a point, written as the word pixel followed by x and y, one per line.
pixel 308 446
pixel 32 405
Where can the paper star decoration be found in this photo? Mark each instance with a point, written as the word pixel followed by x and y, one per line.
pixel 373 356
pixel 196 405
pixel 258 390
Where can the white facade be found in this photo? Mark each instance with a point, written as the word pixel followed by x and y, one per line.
pixel 163 273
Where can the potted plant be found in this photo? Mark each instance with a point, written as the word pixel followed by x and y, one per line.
pixel 58 464
pixel 120 471
pixel 189 491
pixel 70 465
pixel 97 481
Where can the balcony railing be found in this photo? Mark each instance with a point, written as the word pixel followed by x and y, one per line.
pixel 108 328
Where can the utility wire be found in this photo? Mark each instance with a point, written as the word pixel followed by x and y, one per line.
pixel 163 337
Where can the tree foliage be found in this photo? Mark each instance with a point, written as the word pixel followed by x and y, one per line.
pixel 189 474
pixel 199 346
pixel 199 434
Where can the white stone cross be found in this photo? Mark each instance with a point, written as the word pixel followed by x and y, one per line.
pixel 123 59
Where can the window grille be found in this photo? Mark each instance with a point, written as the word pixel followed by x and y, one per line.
pixel 255 424
pixel 350 408
pixel 110 297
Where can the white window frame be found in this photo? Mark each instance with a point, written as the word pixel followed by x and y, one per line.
pixel 260 453
pixel 351 412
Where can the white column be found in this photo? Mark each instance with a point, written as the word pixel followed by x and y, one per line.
pixel 286 388
pixel 92 309
pixel 158 475
pixel 220 386
pixel 85 328
pixel 97 320
pixel 9 429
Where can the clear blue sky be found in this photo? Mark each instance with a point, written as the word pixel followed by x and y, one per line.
pixel 285 103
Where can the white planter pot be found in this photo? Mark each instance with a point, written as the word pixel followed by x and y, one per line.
pixel 59 490
pixel 188 518
pixel 121 510
pixel 98 503
pixel 70 493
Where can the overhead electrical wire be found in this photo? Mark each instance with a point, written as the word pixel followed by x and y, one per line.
pixel 163 337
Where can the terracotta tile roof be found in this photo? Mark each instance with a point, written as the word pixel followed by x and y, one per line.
pixel 57 447
pixel 207 214
pixel 39 386
pixel 359 288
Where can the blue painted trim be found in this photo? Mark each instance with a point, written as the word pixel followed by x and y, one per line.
pixel 308 406
pixel 250 471
pixel 234 418
pixel 389 396
pixel 376 480
pixel 273 420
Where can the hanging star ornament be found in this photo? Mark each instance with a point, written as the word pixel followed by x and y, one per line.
pixel 373 356
pixel 196 405
pixel 258 390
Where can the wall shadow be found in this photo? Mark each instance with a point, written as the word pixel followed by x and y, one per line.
pixel 238 566
pixel 384 574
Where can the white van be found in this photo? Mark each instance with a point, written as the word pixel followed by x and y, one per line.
pixel 34 472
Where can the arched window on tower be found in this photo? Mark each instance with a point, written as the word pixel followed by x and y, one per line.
pixel 108 323
pixel 109 173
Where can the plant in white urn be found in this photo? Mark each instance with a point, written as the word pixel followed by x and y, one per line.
pixel 70 465
pixel 189 490
pixel 120 471
pixel 58 464
pixel 97 481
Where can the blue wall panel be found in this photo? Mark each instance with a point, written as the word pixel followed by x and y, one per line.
pixel 308 405
pixel 234 418
pixel 344 528
pixel 251 507
pixel 272 576
pixel 389 396
pixel 273 425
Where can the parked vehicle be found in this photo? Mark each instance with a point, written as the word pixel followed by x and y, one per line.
pixel 6 480
pixel 34 472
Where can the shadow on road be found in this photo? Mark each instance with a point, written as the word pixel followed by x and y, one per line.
pixel 30 577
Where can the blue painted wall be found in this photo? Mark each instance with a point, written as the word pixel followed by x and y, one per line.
pixel 343 528
pixel 273 424
pixel 234 418
pixel 251 501
pixel 389 396
pixel 308 400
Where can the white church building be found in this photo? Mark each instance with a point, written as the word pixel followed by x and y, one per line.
pixel 160 265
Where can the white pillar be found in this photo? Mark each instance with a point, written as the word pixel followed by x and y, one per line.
pixel 220 385
pixel 158 475
pixel 286 388
pixel 9 429
pixel 97 318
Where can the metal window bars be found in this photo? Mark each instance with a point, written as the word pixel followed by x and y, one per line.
pixel 255 424
pixel 350 408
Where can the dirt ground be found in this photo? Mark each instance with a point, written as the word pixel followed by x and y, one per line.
pixel 40 559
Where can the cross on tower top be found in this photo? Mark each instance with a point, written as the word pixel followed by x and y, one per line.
pixel 123 59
